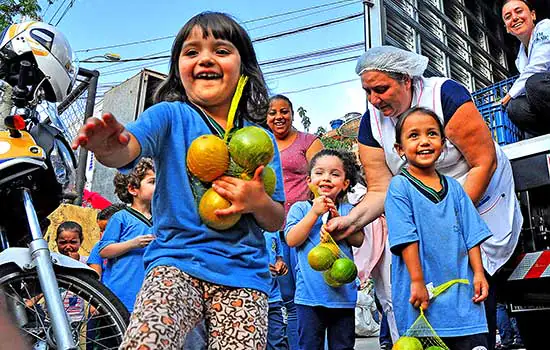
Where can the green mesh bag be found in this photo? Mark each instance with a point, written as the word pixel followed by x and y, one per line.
pixel 421 335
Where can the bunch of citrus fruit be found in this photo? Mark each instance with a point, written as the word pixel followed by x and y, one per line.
pixel 210 157
pixel 327 258
pixel 337 269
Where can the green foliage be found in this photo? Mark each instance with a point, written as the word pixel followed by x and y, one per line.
pixel 12 10
pixel 331 143
pixel 320 131
pixel 305 119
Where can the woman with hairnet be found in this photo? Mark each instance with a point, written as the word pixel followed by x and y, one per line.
pixel 393 81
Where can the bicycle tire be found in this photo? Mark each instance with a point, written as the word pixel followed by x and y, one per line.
pixel 99 324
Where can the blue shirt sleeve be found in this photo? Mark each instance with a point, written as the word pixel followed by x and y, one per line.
pixel 474 229
pixel 365 136
pixel 150 129
pixel 94 257
pixel 278 250
pixel 399 216
pixel 453 95
pixel 112 232
pixel 296 213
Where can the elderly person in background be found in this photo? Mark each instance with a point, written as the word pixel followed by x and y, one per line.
pixel 392 79
pixel 296 149
pixel 528 100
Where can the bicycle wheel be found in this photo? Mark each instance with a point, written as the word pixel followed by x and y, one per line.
pixel 98 318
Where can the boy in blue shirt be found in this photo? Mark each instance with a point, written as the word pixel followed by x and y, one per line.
pixel 128 232
pixel 276 331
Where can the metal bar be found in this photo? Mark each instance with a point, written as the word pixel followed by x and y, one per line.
pixel 83 153
pixel 40 255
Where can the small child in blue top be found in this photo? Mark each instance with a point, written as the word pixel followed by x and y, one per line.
pixel 323 310
pixel 194 272
pixel 128 232
pixel 276 333
pixel 95 261
pixel 435 234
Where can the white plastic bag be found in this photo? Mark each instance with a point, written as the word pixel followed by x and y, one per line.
pixel 365 325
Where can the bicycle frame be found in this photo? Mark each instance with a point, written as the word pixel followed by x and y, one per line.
pixel 38 256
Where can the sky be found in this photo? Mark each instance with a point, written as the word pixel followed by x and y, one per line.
pixel 326 92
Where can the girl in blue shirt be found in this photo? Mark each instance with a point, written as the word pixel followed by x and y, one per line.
pixel 194 272
pixel 322 309
pixel 434 233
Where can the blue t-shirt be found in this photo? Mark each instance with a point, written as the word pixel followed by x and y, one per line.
pixel 446 226
pixel 94 257
pixel 453 95
pixel 235 257
pixel 311 289
pixel 124 274
pixel 273 246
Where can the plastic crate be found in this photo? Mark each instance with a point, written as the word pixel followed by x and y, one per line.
pixel 487 96
pixel 502 129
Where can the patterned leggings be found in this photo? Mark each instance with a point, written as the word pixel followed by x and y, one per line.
pixel 171 303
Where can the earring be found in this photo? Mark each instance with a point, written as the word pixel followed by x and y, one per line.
pixel 403 157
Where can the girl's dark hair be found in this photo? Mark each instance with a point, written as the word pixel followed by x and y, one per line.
pixel 106 213
pixel 122 181
pixel 348 160
pixel 254 102
pixel 411 111
pixel 529 6
pixel 284 98
pixel 70 226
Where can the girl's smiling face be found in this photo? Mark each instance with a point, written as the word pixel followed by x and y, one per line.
pixel 329 175
pixel 421 141
pixel 209 69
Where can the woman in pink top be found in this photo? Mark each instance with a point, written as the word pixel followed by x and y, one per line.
pixel 296 149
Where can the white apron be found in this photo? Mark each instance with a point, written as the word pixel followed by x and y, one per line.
pixel 498 206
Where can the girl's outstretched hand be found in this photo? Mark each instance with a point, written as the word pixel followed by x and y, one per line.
pixel 481 288
pixel 419 295
pixel 244 195
pixel 102 136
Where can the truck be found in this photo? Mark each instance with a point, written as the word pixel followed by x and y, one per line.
pixel 527 290
pixel 126 101
pixel 465 40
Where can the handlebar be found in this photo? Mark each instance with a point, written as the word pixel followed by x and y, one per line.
pixel 20 91
pixel 25 68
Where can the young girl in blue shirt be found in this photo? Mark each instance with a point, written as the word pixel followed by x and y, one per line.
pixel 193 272
pixel 435 234
pixel 323 310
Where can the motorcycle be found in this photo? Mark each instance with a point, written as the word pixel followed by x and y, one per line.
pixel 57 302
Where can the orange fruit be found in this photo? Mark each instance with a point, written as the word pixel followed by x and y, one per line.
pixel 207 157
pixel 333 248
pixel 330 281
pixel 343 270
pixel 407 343
pixel 211 201
pixel 251 147
pixel 268 176
pixel 320 258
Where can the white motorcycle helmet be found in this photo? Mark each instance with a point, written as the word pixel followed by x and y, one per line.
pixel 50 51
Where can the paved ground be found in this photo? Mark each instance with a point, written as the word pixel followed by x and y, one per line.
pixel 367 344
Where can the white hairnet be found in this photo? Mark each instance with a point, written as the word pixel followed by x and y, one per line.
pixel 392 59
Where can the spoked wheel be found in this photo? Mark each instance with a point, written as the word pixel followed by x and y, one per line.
pixel 98 318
